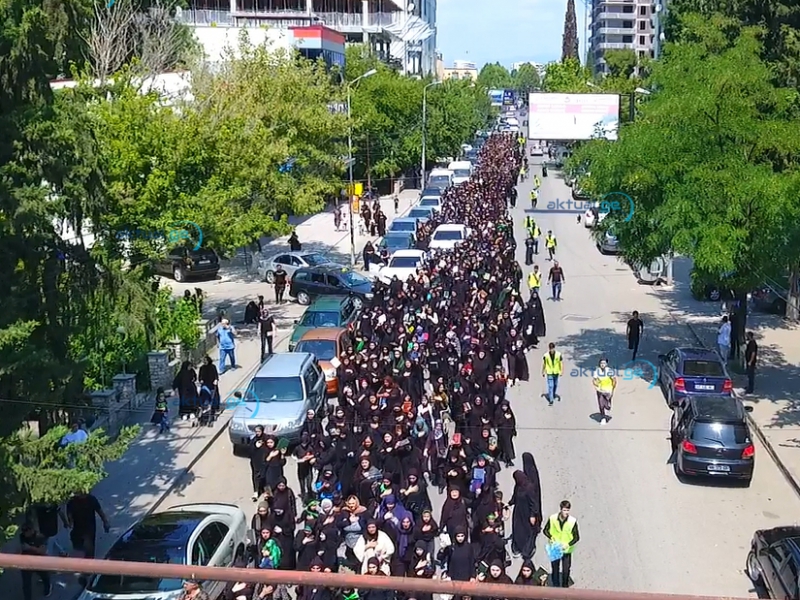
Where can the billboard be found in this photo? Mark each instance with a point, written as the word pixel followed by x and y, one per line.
pixel 573 116
pixel 496 97
pixel 508 97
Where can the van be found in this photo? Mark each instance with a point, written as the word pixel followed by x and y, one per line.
pixel 462 171
pixel 278 398
pixel 440 178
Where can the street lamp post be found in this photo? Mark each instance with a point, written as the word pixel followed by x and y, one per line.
pixel 424 130
pixel 351 190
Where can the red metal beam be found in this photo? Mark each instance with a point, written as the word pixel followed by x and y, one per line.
pixel 333 580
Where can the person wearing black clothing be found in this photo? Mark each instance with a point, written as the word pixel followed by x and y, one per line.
pixel 530 247
pixel 258 461
pixel 47 517
pixel 368 254
pixel 514 195
pixel 266 328
pixel 634 331
pixel 280 278
pixel 304 453
pixel 33 543
pixel 82 511
pixel 209 378
pixel 240 590
pixel 750 360
pixel 294 243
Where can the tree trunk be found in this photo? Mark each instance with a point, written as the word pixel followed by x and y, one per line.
pixel 793 304
pixel 740 321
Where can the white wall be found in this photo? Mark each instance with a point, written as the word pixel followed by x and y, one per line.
pixel 217 41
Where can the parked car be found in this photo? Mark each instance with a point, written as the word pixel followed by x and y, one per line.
pixel 404 225
pixel 591 217
pixel 688 372
pixel 327 280
pixel 184 262
pixel 327 344
pixel 286 386
pixel 395 241
pixel 422 214
pixel 609 243
pixel 771 298
pixel 448 236
pixel 705 286
pixel 431 191
pixel 207 535
pixel 290 261
pixel 773 562
pixel 434 202
pixel 402 264
pixel 325 311
pixel 710 437
pixel 579 194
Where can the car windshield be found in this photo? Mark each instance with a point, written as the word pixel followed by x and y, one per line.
pixel 154 552
pixel 429 202
pixel 352 278
pixel 322 349
pixel 461 173
pixel 419 213
pixel 403 226
pixel 315 260
pixel 404 262
pixel 274 389
pixel 723 434
pixel 439 181
pixel 448 235
pixel 320 319
pixel 703 368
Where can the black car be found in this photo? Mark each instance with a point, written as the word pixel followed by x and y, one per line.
pixel 325 280
pixel 184 262
pixel 774 561
pixel 710 437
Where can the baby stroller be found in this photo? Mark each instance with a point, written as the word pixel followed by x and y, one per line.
pixel 204 416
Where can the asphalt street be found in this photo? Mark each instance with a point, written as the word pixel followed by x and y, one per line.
pixel 641 529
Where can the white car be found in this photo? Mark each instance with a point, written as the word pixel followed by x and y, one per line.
pixel 593 217
pixel 537 150
pixel 402 264
pixel 434 202
pixel 447 237
pixel 211 535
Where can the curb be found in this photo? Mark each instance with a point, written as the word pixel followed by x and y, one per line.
pixel 787 474
pixel 223 427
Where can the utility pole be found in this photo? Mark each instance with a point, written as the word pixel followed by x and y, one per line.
pixel 369 166
pixel 424 131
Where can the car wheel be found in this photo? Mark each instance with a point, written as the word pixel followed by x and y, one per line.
pixel 303 298
pixel 753 571
pixel 178 274
pixel 269 277
pixel 358 303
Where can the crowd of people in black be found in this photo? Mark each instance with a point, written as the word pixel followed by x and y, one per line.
pixel 421 409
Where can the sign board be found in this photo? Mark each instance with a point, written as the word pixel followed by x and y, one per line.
pixel 356 190
pixel 496 96
pixel 508 97
pixel 573 116
pixel 337 108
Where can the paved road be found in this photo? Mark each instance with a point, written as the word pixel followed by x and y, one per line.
pixel 641 529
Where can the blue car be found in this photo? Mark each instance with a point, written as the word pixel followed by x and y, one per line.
pixel 422 214
pixel 404 225
pixel 398 240
pixel 692 372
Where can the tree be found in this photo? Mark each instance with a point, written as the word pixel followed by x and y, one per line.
pixel 526 80
pixel 621 63
pixel 494 76
pixel 567 77
pixel 457 109
pixel 569 41
pixel 711 163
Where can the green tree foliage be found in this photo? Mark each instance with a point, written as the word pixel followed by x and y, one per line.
pixel 494 76
pixel 39 470
pixel 567 77
pixel 621 63
pixel 526 80
pixel 711 162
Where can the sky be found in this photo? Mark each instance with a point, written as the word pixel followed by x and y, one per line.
pixel 504 31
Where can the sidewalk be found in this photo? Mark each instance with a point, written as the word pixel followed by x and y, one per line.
pixel 776 401
pixel 157 465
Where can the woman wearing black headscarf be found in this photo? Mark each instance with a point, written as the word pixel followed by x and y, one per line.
pixel 496 575
pixel 460 556
pixel 530 575
pixel 525 522
pixel 506 425
pixel 532 473
pixel 534 319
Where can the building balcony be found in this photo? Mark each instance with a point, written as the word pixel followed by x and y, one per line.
pixel 613 45
pixel 354 22
pixel 204 17
pixel 613 31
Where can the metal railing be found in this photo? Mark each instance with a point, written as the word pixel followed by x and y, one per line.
pixel 327 580
pixel 205 17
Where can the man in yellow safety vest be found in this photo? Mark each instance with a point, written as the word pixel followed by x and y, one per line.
pixel 536 182
pixel 604 383
pixel 534 279
pixel 562 531
pixel 552 369
pixel 550 243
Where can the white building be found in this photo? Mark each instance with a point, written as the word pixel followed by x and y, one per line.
pixel 540 68
pixel 620 25
pixel 402 32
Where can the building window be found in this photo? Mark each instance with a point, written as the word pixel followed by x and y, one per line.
pixel 641 53
pixel 652 54
pixel 627 39
pixel 627 9
pixel 627 24
pixel 643 11
pixel 641 40
pixel 642 25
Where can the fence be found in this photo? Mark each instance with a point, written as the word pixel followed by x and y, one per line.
pixel 327 580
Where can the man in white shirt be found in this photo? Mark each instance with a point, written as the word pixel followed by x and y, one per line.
pixel 724 339
pixel 604 383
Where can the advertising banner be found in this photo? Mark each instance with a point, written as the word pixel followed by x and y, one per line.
pixel 497 97
pixel 508 97
pixel 573 116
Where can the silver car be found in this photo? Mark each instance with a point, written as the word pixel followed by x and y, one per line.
pixel 609 243
pixel 278 398
pixel 208 535
pixel 290 261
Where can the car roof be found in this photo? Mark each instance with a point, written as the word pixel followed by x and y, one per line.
pixel 431 191
pixel 398 234
pixel 410 253
pixel 295 253
pixel 427 209
pixel 405 220
pixel 171 528
pixel 697 354
pixel 283 365
pixel 326 268
pixel 450 227
pixel 327 302
pixel 716 409
pixel 323 333
pixel 790 533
